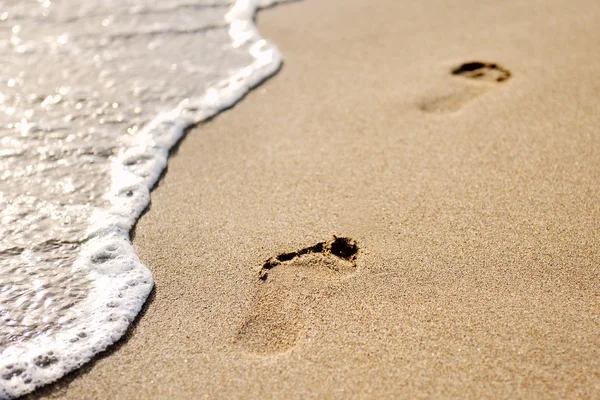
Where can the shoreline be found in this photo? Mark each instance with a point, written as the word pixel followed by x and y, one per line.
pixel 474 215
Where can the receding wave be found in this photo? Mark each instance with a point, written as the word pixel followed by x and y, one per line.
pixel 95 94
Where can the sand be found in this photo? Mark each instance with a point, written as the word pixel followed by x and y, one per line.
pixel 473 203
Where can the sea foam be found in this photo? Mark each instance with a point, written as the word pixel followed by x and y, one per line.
pixel 96 93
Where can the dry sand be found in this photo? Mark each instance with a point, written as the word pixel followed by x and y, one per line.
pixel 474 204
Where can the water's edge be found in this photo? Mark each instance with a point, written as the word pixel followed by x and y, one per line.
pixel 121 282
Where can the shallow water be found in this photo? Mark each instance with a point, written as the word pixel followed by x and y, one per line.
pixel 93 94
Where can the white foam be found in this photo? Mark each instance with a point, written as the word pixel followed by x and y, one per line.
pixel 118 282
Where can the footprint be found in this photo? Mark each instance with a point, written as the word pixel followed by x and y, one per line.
pixel 287 287
pixel 486 76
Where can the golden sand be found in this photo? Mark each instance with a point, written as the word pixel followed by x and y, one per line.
pixel 473 203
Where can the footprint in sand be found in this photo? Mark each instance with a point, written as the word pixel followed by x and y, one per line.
pixel 484 76
pixel 287 288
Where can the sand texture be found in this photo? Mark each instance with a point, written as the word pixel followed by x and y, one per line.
pixel 464 200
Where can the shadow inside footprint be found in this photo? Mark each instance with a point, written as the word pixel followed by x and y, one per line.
pixel 482 71
pixel 287 287
pixel 487 76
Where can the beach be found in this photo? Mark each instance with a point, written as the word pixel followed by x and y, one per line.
pixel 472 202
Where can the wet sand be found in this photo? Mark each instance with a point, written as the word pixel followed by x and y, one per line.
pixel 473 203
